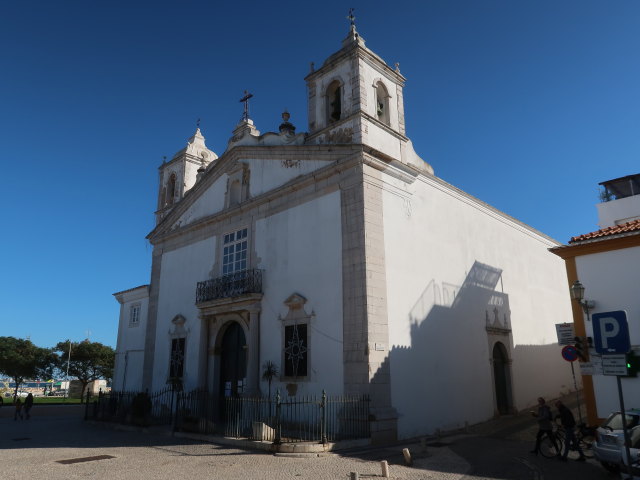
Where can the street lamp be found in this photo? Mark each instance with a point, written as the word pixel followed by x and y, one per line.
pixel 577 294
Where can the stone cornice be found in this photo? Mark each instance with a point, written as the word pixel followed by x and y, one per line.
pixel 361 52
pixel 137 293
pixel 243 303
pixel 356 115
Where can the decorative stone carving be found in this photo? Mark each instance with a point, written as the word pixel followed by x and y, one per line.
pixel 341 135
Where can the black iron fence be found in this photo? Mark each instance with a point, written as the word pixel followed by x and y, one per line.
pixel 137 408
pixel 319 419
pixel 298 419
pixel 232 285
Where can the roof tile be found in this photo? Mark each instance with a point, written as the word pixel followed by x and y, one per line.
pixel 628 227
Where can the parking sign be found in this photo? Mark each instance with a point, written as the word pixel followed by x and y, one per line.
pixel 611 332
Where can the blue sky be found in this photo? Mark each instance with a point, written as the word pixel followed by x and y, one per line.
pixel 527 105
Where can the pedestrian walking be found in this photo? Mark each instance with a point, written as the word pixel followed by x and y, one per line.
pixel 545 427
pixel 28 403
pixel 569 424
pixel 18 405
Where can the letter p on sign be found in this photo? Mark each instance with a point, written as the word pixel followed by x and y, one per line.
pixel 611 332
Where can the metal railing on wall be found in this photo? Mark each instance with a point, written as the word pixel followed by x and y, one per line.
pixel 232 285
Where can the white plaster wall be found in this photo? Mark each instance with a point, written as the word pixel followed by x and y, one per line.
pixel 210 202
pixel 614 212
pixel 131 340
pixel 267 175
pixel 382 140
pixel 440 359
pixel 181 270
pixel 299 256
pixel 611 279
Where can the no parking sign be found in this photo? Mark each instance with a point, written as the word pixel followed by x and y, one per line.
pixel 569 353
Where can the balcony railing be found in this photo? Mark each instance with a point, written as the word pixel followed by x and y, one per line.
pixel 232 285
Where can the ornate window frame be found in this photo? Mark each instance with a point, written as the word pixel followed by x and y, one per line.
pixel 178 336
pixel 295 317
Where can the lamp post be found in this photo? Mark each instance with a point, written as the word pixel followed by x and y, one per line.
pixel 577 294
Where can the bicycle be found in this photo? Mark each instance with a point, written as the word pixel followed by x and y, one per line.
pixel 585 436
pixel 547 449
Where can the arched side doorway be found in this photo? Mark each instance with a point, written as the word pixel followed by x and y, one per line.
pixel 502 378
pixel 233 361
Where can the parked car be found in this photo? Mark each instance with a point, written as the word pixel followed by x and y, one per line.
pixel 634 451
pixel 610 437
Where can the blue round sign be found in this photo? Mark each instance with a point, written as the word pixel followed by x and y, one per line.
pixel 569 353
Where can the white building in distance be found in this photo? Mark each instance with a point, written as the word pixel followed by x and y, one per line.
pixel 339 256
pixel 606 264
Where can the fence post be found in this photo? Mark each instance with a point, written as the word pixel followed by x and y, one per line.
pixel 278 439
pixel 174 412
pixel 323 424
pixel 86 406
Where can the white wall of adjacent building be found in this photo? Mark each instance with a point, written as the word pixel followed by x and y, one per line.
pixel 611 280
pixel 433 235
pixel 615 212
pixel 131 338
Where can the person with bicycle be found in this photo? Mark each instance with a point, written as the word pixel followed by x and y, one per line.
pixel 545 427
pixel 569 424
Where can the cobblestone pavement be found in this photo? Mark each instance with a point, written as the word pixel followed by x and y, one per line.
pixel 34 448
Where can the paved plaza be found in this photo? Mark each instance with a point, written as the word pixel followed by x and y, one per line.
pixel 34 449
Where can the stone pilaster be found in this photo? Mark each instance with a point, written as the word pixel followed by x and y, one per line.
pixel 253 359
pixel 152 320
pixel 366 329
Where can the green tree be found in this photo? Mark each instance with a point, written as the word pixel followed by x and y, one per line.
pixel 21 360
pixel 269 372
pixel 89 361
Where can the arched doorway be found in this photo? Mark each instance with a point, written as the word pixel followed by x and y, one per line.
pixel 502 378
pixel 233 361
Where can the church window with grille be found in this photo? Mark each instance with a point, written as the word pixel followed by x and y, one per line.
pixel 296 350
pixel 234 255
pixel 176 366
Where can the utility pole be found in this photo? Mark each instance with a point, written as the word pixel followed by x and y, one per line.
pixel 68 362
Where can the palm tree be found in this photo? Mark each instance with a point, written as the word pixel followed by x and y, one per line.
pixel 269 372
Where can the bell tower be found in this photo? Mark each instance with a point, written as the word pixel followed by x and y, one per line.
pixel 180 174
pixel 355 97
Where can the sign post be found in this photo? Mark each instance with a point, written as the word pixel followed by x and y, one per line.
pixel 611 339
pixel 570 354
pixel 565 333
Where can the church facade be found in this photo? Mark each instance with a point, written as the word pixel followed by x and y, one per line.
pixel 341 258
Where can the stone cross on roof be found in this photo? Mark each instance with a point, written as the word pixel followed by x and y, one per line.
pixel 245 100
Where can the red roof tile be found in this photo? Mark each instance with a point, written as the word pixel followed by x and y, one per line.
pixel 633 226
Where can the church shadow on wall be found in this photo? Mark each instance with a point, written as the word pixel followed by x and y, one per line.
pixel 459 367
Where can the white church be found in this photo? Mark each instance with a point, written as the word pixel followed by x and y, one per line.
pixel 340 256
